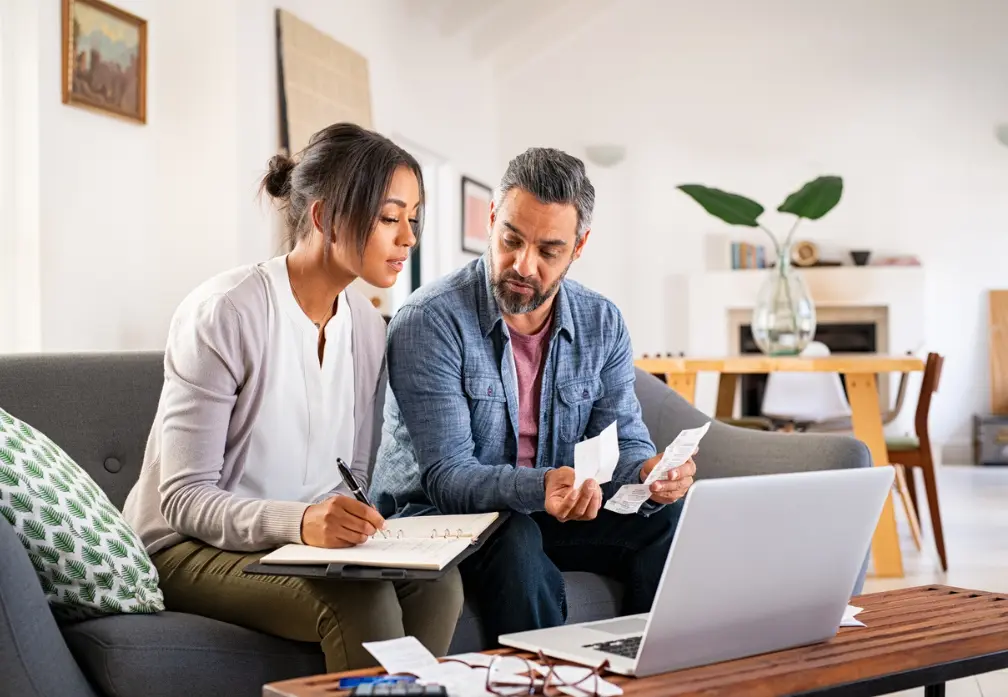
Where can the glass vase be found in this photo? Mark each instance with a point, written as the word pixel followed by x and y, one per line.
pixel 784 318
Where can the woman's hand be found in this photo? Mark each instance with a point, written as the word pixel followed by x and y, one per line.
pixel 340 521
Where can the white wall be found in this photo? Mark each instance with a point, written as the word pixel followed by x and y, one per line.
pixel 426 90
pixel 131 217
pixel 898 97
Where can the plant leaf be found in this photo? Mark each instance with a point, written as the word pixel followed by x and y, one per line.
pixel 22 502
pixel 71 598
pixel 16 445
pixel 87 591
pixel 109 605
pixel 33 470
pixel 76 569
pixel 142 563
pixel 76 510
pixel 48 494
pixel 49 554
pixel 91 537
pixel 8 513
pixel 35 530
pixel 7 457
pixel 61 578
pixel 118 549
pixel 132 575
pixel 64 542
pixel 92 557
pixel 36 561
pixel 26 431
pixel 815 199
pixel 47 587
pixel 104 580
pixel 125 593
pixel 51 516
pixel 6 418
pixel 731 208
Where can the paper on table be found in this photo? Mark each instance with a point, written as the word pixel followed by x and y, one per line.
pixel 848 617
pixel 578 676
pixel 397 656
pixel 596 458
pixel 631 497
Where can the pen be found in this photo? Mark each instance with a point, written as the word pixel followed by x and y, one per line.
pixel 351 481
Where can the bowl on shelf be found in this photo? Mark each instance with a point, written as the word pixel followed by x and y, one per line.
pixel 860 256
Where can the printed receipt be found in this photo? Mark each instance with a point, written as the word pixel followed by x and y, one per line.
pixel 631 497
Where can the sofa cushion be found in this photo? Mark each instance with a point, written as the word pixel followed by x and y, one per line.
pixel 88 559
pixel 589 597
pixel 173 653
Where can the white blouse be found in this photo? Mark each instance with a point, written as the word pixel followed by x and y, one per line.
pixel 307 415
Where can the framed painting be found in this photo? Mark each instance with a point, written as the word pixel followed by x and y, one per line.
pixel 104 59
pixel 475 215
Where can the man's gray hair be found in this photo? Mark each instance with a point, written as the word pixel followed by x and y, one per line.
pixel 552 176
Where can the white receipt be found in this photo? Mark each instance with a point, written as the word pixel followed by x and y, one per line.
pixel 397 656
pixel 849 617
pixel 596 458
pixel 631 497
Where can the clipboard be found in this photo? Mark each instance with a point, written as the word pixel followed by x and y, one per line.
pixel 359 572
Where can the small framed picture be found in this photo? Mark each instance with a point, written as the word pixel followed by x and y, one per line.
pixel 104 59
pixel 475 215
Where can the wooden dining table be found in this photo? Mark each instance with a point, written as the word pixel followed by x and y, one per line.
pixel 860 373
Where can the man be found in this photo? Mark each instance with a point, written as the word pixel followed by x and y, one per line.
pixel 495 372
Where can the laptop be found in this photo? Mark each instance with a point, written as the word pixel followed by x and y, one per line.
pixel 757 564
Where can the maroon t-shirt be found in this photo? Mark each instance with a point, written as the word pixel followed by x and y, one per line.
pixel 529 351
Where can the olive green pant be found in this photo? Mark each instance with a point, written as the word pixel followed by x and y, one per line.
pixel 203 580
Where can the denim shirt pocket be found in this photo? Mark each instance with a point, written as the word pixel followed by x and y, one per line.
pixel 487 408
pixel 576 400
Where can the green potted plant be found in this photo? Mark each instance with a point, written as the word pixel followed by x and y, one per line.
pixel 784 317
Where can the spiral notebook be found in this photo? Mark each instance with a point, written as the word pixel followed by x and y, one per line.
pixel 423 543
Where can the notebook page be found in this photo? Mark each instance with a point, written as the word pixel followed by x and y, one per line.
pixel 398 553
pixel 444 526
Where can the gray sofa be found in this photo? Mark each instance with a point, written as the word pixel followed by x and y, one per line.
pixel 99 407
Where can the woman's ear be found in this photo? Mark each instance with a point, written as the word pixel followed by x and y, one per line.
pixel 316 216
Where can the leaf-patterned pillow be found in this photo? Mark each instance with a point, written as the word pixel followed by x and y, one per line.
pixel 88 559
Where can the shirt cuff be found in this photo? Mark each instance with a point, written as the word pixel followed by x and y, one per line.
pixel 281 521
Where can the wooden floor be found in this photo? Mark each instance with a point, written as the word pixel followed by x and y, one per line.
pixel 974 506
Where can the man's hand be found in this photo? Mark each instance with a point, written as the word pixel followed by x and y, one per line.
pixel 564 502
pixel 339 521
pixel 676 482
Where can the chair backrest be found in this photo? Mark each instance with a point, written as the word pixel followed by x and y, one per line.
pixel 929 385
pixel 809 397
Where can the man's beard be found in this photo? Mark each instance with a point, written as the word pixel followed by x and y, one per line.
pixel 512 303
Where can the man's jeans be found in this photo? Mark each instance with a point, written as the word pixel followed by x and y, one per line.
pixel 516 579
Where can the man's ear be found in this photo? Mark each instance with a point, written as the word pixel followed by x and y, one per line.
pixel 579 247
pixel 491 218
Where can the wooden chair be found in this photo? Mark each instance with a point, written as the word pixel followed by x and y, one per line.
pixel 915 452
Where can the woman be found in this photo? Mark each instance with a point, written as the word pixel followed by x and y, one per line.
pixel 272 372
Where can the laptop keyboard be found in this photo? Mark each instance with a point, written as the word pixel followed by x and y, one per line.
pixel 621 647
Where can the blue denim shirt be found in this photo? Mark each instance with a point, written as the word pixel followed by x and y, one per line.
pixel 450 440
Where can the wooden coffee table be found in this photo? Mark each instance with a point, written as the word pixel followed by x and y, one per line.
pixel 923 636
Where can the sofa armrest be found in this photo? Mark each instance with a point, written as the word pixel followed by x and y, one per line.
pixel 731 451
pixel 34 659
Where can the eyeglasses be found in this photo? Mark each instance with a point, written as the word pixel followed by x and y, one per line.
pixel 511 676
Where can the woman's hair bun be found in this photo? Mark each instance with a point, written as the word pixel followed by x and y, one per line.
pixel 277 181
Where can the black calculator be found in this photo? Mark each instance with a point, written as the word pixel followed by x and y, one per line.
pixel 398 689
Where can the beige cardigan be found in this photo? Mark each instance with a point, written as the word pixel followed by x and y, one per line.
pixel 216 360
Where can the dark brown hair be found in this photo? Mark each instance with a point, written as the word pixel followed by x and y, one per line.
pixel 346 167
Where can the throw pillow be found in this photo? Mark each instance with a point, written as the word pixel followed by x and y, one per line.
pixel 88 559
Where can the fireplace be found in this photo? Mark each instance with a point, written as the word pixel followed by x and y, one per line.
pixel 844 330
